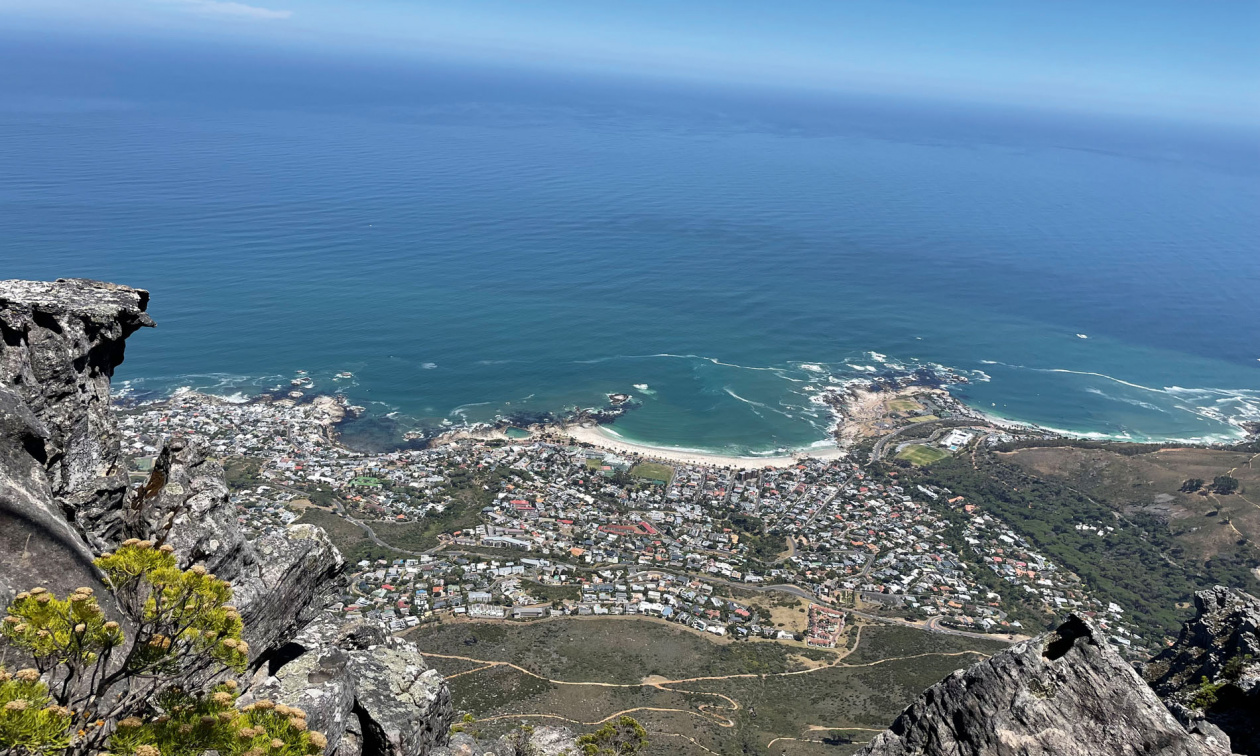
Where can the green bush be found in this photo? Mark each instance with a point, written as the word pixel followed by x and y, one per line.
pixel 621 738
pixel 161 694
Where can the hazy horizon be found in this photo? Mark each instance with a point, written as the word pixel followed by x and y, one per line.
pixel 1157 60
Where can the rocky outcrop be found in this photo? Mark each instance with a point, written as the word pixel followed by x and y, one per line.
pixel 64 498
pixel 280 581
pixel 1066 693
pixel 61 344
pixel 63 481
pixel 1212 673
pixel 60 477
pixel 537 741
pixel 33 534
pixel 368 691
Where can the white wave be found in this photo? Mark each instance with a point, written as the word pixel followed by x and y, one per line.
pixel 463 408
pixel 878 357
pixel 1126 400
pixel 428 365
pixel 863 368
pixel 982 376
pixel 812 367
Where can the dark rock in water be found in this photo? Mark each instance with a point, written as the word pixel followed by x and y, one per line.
pixel 1066 693
pixel 1222 646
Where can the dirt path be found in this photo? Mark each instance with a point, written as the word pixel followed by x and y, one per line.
pixel 819 728
pixel 716 713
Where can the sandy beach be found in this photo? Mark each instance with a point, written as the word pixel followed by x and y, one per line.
pixel 598 436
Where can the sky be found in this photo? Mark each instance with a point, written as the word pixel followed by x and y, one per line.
pixel 1185 60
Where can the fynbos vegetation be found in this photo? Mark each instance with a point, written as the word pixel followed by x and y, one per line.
pixel 161 687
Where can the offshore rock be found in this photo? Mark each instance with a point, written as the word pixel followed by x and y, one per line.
pixel 1066 693
pixel 1222 646
pixel 368 691
pixel 59 345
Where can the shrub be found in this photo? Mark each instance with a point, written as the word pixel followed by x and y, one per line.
pixel 164 694
pixel 1224 484
pixel 621 738
pixel 1204 696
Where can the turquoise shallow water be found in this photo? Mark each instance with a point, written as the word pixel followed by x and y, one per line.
pixel 471 243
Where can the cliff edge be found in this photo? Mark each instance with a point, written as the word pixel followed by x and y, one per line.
pixel 64 498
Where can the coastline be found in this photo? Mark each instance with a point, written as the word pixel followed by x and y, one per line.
pixel 860 410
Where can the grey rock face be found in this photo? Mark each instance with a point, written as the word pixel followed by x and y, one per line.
pixel 60 344
pixel 1065 693
pixel 368 691
pixel 59 445
pixel 1222 645
pixel 540 741
pixel 33 534
pixel 280 581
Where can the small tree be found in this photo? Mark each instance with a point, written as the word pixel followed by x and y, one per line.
pixel 166 686
pixel 621 738
pixel 1224 484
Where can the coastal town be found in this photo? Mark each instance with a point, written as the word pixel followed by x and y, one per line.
pixel 500 528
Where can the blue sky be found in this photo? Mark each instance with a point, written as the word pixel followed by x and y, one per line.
pixel 1193 60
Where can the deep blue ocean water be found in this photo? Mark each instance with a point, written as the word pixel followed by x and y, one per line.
pixel 472 242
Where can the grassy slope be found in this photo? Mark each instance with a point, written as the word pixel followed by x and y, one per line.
pixel 1134 566
pixel 627 650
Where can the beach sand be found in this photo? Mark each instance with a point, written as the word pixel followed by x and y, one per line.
pixel 595 435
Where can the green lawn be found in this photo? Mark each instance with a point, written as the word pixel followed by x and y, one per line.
pixel 653 471
pixel 924 418
pixel 922 455
pixel 904 405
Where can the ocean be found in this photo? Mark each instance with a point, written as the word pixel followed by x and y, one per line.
pixel 474 243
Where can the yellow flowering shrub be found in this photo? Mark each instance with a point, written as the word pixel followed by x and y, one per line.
pixel 28 716
pixel 91 690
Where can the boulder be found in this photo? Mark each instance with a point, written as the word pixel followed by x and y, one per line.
pixel 368 691
pixel 1066 693
pixel 532 741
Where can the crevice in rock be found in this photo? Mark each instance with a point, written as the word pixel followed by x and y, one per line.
pixel 375 743
pixel 1065 637
pixel 276 658
pixel 46 320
